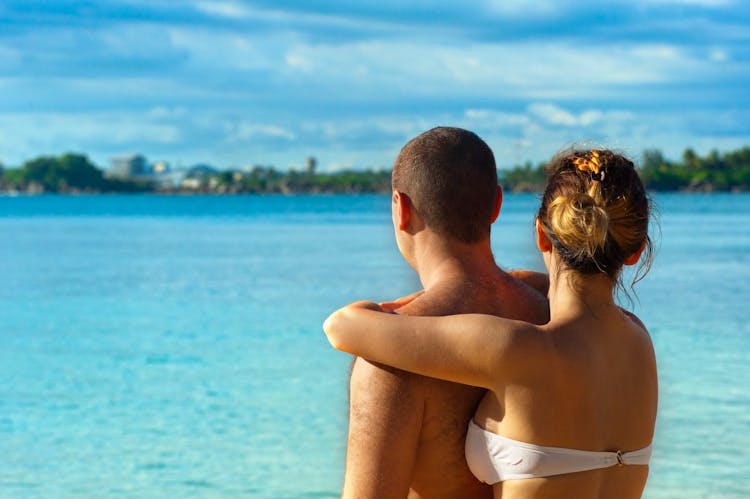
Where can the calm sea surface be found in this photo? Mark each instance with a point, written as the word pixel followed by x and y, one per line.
pixel 171 346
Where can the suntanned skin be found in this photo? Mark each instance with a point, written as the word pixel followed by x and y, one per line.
pixel 407 431
pixel 584 380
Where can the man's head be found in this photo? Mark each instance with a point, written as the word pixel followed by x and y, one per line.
pixel 450 179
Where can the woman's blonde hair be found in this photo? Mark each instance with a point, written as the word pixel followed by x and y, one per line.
pixel 595 211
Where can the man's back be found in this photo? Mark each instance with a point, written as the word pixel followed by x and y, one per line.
pixel 408 431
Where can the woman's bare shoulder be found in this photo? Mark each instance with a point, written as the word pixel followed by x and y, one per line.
pixel 523 340
pixel 634 318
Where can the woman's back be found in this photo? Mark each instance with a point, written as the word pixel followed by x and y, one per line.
pixel 586 383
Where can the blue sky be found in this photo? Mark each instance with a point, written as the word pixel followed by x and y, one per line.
pixel 234 82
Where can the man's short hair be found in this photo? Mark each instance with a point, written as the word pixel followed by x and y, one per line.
pixel 451 178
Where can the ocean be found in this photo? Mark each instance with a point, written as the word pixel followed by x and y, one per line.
pixel 171 346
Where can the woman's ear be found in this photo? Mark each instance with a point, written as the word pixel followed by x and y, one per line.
pixel 542 239
pixel 402 208
pixel 498 204
pixel 633 259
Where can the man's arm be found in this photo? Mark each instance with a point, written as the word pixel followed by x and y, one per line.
pixel 385 420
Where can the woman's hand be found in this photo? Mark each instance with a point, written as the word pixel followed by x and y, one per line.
pixel 390 306
pixel 342 321
pixel 366 305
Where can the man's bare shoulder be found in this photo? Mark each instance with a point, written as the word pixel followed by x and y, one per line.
pixel 518 295
pixel 524 297
pixel 390 379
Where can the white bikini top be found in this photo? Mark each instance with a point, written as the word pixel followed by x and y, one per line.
pixel 493 458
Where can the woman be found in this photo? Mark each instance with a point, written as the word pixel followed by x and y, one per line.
pixel 571 405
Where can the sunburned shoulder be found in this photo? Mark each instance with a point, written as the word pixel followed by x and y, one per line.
pixel 499 294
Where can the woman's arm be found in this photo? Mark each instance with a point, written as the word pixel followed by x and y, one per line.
pixel 471 349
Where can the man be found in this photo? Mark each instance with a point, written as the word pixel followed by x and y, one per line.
pixel 406 432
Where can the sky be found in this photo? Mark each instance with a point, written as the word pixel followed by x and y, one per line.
pixel 235 83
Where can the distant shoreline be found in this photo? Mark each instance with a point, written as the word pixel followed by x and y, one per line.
pixel 75 174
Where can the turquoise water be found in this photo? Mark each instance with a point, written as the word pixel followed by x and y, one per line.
pixel 171 346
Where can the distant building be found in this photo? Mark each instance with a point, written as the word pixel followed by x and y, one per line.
pixel 201 170
pixel 198 176
pixel 160 167
pixel 311 164
pixel 128 166
pixel 170 179
pixel 192 183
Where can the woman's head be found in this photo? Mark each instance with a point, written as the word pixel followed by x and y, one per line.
pixel 595 211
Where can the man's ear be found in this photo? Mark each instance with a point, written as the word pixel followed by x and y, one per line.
pixel 542 239
pixel 498 204
pixel 403 210
pixel 633 259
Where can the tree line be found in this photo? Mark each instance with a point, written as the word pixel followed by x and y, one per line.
pixel 63 174
pixel 714 172
pixel 75 173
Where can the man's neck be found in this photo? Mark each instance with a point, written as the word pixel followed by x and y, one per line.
pixel 439 260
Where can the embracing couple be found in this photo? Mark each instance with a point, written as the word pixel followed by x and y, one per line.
pixel 503 384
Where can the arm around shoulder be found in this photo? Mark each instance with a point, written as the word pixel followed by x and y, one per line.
pixel 469 349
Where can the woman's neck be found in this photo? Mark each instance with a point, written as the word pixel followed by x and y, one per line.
pixel 572 294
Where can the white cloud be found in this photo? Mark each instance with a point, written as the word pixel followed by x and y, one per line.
pixel 289 19
pixel 718 55
pixel 533 133
pixel 553 115
pixel 218 51
pixel 298 62
pixel 243 131
pixel 543 128
pixel 663 53
pixel 525 9
pixel 167 113
pixel 232 10
pixel 397 69
pixel 79 132
pixel 490 118
pixel 701 3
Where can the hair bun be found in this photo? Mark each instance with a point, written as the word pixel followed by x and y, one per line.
pixel 595 212
pixel 578 223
